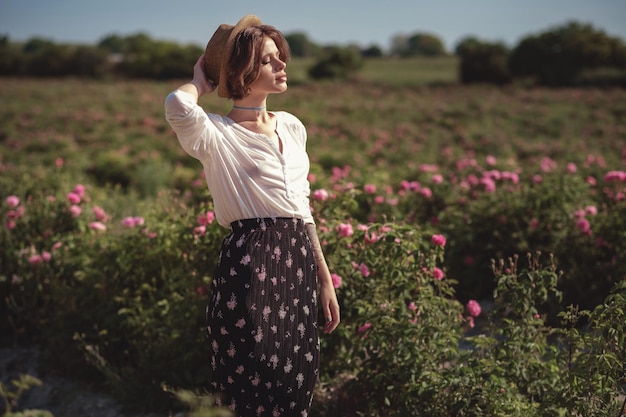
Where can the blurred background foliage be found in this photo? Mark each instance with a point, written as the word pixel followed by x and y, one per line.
pixel 571 54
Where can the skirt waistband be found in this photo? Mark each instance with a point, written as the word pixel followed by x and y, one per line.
pixel 267 223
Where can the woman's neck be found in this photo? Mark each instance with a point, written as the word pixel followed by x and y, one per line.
pixel 259 117
pixel 250 108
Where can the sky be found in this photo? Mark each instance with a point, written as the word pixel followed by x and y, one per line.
pixel 325 22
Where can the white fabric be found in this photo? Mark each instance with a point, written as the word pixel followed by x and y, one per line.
pixel 246 174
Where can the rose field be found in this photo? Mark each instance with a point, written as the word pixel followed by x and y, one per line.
pixel 477 237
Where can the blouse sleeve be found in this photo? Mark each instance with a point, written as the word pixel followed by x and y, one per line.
pixel 190 123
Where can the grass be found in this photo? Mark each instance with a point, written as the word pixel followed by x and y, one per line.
pixel 106 129
pixel 411 71
pixel 392 71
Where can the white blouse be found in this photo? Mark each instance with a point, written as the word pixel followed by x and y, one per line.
pixel 246 173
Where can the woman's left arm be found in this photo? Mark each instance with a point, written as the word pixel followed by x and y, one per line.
pixel 328 297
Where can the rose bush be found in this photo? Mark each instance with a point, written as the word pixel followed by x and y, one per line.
pixel 108 245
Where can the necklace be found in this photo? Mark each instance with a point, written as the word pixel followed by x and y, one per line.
pixel 261 108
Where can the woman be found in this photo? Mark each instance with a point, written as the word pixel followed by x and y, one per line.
pixel 262 315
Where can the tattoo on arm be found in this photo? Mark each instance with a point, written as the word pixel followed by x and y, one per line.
pixel 315 241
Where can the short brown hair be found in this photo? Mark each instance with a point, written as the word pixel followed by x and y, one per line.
pixel 244 63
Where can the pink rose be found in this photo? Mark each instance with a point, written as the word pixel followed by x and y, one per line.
pixel 439 240
pixel 364 327
pixel 75 210
pixel 336 280
pixel 131 221
pixel 206 218
pixel 35 259
pixel 371 237
pixel 321 195
pixel 572 168
pixel 100 214
pixel 97 226
pixel 428 168
pixel 583 225
pixel 547 164
pixel 365 271
pixel 73 198
pixel 489 184
pixel 437 274
pixel 426 192
pixel 511 176
pixel 128 221
pixel 345 230
pixel 79 189
pixel 12 201
pixel 473 308
pixel 615 176
pixel 369 188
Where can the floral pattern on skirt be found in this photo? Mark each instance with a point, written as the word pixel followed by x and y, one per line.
pixel 262 319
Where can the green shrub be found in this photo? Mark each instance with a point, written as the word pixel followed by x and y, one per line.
pixel 127 297
pixel 336 63
pixel 483 62
pixel 424 44
pixel 557 57
pixel 128 302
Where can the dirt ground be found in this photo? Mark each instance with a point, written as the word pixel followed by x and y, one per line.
pixel 61 397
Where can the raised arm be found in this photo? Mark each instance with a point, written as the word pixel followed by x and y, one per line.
pixel 328 297
pixel 186 117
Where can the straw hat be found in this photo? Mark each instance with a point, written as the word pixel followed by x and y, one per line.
pixel 219 49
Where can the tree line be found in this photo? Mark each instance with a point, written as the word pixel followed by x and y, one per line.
pixel 571 54
pixel 567 55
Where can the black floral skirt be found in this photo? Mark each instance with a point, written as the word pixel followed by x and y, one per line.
pixel 262 319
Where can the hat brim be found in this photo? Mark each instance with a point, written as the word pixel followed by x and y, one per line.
pixel 243 23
